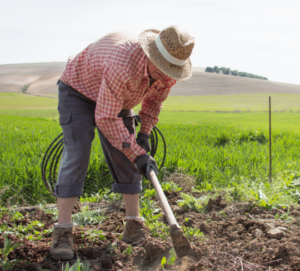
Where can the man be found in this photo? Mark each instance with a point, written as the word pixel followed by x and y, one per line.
pixel 98 89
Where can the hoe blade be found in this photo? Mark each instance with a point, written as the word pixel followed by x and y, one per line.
pixel 180 242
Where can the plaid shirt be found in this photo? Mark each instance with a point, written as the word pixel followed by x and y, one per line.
pixel 113 72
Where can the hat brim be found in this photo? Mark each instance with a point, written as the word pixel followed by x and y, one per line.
pixel 179 73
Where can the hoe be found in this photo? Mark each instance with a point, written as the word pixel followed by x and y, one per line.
pixel 180 242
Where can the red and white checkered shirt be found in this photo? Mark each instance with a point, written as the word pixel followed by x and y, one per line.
pixel 113 72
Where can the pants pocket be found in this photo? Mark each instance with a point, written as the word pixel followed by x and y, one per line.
pixel 65 122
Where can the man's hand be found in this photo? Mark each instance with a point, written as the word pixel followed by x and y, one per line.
pixel 144 163
pixel 143 140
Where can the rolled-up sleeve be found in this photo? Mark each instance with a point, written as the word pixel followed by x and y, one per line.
pixel 109 104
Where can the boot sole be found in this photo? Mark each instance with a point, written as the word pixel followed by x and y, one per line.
pixel 62 257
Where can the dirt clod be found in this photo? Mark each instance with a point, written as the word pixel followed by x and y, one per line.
pixel 257 233
pixel 155 248
pixel 216 204
pixel 256 211
pixel 275 233
pixel 77 207
pixel 295 213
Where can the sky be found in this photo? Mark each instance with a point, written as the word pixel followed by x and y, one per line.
pixel 258 36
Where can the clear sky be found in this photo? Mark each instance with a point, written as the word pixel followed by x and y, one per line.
pixel 257 36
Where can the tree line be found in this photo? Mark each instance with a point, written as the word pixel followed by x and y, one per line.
pixel 228 71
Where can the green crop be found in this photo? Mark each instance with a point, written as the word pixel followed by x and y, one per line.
pixel 149 193
pixel 128 251
pixel 193 234
pixel 171 186
pixel 17 216
pixel 166 187
pixel 159 230
pixel 103 194
pixel 8 247
pixel 148 211
pixel 78 266
pixel 189 201
pixel 95 235
pixel 31 231
pixel 87 217
pixel 263 201
pixel 171 259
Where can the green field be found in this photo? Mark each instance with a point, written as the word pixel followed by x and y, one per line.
pixel 220 150
pixel 18 102
pixel 235 103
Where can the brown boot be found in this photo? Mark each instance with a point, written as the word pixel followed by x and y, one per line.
pixel 135 232
pixel 62 244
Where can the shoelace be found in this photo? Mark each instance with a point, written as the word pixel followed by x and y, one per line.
pixel 63 238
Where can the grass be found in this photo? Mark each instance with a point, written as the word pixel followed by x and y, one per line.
pixel 17 101
pixel 221 150
pixel 239 103
pixel 258 121
pixel 19 104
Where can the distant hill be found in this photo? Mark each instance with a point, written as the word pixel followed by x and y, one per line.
pixel 42 78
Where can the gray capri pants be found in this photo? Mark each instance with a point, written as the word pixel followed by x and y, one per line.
pixel 77 119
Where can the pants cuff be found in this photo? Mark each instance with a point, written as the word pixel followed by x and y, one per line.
pixel 68 191
pixel 120 188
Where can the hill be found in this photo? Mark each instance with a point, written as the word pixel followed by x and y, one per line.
pixel 204 83
pixel 42 78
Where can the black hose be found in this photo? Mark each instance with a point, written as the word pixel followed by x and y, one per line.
pixel 54 151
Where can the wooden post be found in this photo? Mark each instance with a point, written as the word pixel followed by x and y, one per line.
pixel 270 141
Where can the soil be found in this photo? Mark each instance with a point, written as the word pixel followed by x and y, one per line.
pixel 236 237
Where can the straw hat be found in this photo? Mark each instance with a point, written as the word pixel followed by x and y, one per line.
pixel 169 50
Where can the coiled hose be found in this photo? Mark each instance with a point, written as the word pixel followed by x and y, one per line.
pixel 53 154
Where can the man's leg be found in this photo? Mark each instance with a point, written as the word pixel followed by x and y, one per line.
pixel 65 207
pixel 131 205
pixel 77 121
pixel 135 231
pixel 127 182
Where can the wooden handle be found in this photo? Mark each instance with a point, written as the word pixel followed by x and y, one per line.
pixel 163 200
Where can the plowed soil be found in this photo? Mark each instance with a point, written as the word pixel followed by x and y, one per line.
pixel 236 237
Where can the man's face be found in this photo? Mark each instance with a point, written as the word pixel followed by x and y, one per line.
pixel 154 72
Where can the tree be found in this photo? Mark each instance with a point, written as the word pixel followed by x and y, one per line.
pixel 235 73
pixel 226 71
pixel 216 69
pixel 209 69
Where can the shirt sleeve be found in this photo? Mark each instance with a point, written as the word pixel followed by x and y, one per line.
pixel 109 104
pixel 151 106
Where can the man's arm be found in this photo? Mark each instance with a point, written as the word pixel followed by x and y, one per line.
pixel 109 104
